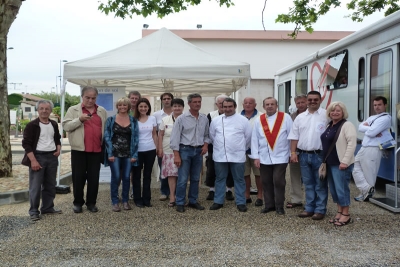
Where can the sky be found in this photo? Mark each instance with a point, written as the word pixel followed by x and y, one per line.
pixel 46 32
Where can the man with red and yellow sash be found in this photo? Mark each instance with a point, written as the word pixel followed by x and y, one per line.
pixel 270 150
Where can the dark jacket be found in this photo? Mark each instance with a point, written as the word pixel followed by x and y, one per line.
pixel 31 138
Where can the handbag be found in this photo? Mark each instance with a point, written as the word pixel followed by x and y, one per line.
pixel 322 168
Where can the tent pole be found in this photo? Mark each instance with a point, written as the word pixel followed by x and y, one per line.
pixel 61 129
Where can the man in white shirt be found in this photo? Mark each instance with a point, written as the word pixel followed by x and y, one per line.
pixel 252 114
pixel 210 175
pixel 305 141
pixel 368 158
pixel 166 110
pixel 270 150
pixel 230 134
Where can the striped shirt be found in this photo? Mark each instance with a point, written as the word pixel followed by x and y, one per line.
pixel 189 131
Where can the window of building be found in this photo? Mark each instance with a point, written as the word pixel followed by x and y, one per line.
pixel 361 88
pixel 27 109
pixel 381 77
pixel 301 81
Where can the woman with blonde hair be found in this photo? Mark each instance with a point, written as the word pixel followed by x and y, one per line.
pixel 121 136
pixel 339 158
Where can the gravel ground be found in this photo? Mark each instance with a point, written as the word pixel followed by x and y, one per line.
pixel 160 236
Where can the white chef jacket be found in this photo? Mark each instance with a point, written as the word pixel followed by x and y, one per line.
pixel 260 148
pixel 231 137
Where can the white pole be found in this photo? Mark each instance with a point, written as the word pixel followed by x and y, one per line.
pixel 62 90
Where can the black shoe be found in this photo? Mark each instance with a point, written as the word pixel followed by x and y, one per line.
pixel 210 195
pixel 148 205
pixel 35 217
pixel 266 210
pixel 280 211
pixel 180 208
pixel 258 202
pixel 51 212
pixel 216 206
pixel 92 208
pixel 249 200
pixel 77 209
pixel 242 208
pixel 229 196
pixel 196 206
pixel 139 205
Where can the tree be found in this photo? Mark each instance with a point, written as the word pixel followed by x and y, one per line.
pixel 8 12
pixel 70 100
pixel 128 8
pixel 305 13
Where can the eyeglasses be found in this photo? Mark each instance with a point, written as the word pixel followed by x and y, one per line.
pixel 313 100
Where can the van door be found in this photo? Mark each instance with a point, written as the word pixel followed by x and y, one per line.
pixel 382 80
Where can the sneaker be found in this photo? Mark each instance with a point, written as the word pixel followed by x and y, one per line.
pixel 362 197
pixel 229 195
pixel 371 192
pixel 210 195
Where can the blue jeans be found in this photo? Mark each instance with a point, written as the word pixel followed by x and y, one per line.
pixel 192 162
pixel 339 181
pixel 315 189
pixel 221 172
pixel 120 168
pixel 164 186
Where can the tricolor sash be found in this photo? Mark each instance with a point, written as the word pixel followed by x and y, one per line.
pixel 271 136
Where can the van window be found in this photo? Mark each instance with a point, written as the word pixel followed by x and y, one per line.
pixel 381 77
pixel 361 89
pixel 334 74
pixel 301 81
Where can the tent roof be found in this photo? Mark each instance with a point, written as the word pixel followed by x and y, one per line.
pixel 160 62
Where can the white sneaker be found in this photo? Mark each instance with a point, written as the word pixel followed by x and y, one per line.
pixel 362 197
pixel 163 197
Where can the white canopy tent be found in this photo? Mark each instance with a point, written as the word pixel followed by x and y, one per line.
pixel 158 63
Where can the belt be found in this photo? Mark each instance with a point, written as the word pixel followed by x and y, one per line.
pixel 182 145
pixel 310 151
pixel 44 152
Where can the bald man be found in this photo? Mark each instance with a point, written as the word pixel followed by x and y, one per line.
pixel 252 114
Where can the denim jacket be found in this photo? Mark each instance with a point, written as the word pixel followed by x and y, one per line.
pixel 108 135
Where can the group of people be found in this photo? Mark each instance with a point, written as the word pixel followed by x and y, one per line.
pixel 235 144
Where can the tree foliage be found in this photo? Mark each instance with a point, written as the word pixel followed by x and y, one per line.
pixel 305 13
pixel 127 8
pixel 70 100
pixel 14 99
